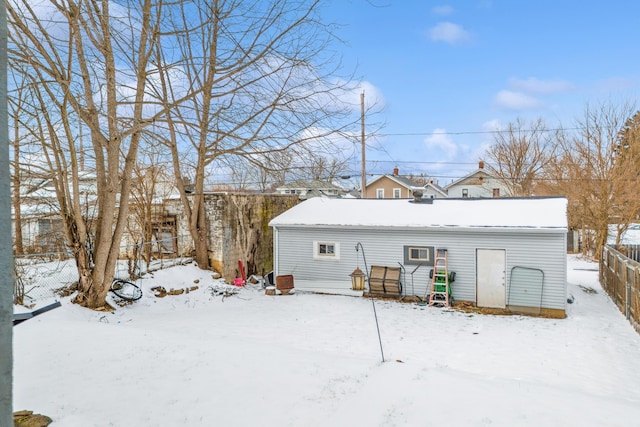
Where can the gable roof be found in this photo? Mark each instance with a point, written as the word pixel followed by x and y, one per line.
pixel 436 188
pixel 477 173
pixel 541 213
pixel 405 182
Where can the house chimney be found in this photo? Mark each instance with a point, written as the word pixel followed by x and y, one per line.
pixel 481 164
pixel 395 171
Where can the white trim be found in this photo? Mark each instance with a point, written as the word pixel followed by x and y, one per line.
pixel 276 256
pixel 379 191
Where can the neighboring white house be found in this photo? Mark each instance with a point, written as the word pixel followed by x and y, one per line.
pixel 42 228
pixel 506 252
pixel 433 191
pixel 313 188
pixel 41 221
pixel 478 183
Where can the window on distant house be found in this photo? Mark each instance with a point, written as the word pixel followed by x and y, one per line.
pixel 465 192
pixel 496 192
pixel 380 193
pixel 326 251
pixel 396 193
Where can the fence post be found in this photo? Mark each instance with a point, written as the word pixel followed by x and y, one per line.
pixel 625 277
pixel 626 303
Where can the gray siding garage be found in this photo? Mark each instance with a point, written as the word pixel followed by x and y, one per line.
pixel 506 253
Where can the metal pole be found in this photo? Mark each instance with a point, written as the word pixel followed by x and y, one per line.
pixel 373 304
pixel 6 256
pixel 363 192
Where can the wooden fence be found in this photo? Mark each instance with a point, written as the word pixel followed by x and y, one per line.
pixel 620 278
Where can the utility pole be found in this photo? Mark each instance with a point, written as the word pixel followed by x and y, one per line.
pixel 363 191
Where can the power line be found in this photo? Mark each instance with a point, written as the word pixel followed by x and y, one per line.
pixel 452 177
pixel 478 132
pixel 424 162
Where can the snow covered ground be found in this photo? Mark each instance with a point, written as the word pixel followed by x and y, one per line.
pixel 314 360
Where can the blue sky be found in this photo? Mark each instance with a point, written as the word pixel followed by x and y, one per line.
pixel 447 71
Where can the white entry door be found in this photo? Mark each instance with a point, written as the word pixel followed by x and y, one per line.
pixel 490 278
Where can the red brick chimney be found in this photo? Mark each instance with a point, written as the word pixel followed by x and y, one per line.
pixel 395 171
pixel 481 164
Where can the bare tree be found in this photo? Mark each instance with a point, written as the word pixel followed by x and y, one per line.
pixel 321 166
pixel 88 62
pixel 151 183
pixel 262 81
pixel 627 170
pixel 598 179
pixel 19 119
pixel 520 154
pixel 265 172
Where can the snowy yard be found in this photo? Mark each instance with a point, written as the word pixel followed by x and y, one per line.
pixel 314 360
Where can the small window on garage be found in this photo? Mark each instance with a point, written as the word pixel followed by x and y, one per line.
pixel 326 250
pixel 380 193
pixel 396 193
pixel 465 192
pixel 418 254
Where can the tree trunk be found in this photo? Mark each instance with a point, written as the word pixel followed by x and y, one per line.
pixel 89 295
pixel 201 237
pixel 17 183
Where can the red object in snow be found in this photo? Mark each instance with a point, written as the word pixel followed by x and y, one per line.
pixel 242 280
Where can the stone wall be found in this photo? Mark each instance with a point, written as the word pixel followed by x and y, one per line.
pixel 238 230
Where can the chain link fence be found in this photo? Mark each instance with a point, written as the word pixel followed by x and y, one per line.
pixel 40 276
pixel 620 278
pixel 44 276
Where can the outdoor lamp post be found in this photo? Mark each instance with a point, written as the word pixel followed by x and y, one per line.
pixel 357 280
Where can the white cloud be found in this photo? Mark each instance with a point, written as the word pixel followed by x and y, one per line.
pixel 439 140
pixel 615 84
pixel 449 33
pixel 373 97
pixel 492 125
pixel 350 95
pixel 442 10
pixel 516 100
pixel 533 85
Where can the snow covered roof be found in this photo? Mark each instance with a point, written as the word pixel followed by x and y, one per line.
pixel 548 213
